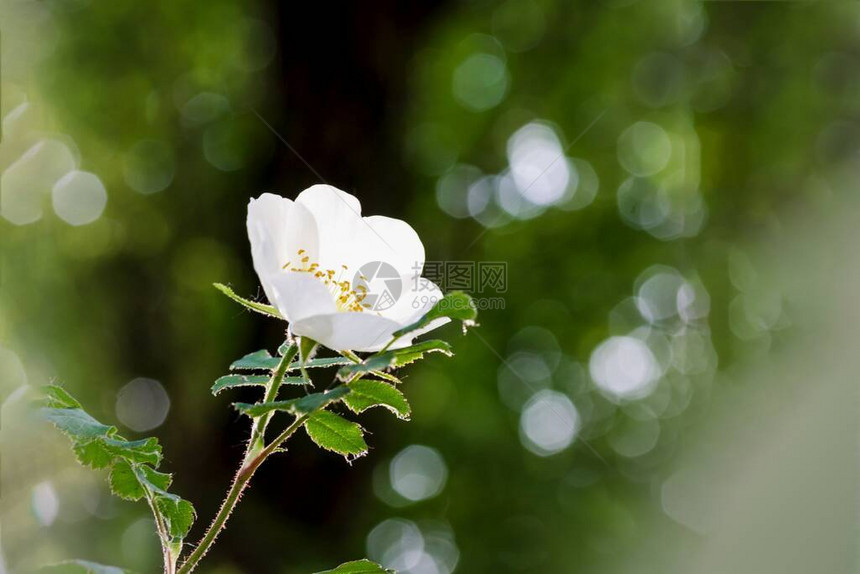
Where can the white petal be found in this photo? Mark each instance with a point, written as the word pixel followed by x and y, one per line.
pixel 417 296
pixel 348 239
pixel 341 331
pixel 396 243
pixel 277 229
pixel 300 295
pixel 414 304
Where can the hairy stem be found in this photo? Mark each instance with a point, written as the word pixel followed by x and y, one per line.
pixel 256 453
pixel 258 430
pixel 167 551
pixel 240 481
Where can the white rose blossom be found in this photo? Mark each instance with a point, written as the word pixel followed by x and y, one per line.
pixel 307 253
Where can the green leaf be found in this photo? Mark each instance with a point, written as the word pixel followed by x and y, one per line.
pixel 80 567
pixel 56 397
pixel 318 363
pixel 124 483
pixel 412 353
pixel 157 480
pixel 77 423
pixel 299 406
pixel 359 567
pixel 257 361
pixel 131 462
pixel 335 433
pixel 177 512
pixel 230 381
pixel 378 362
pixel 366 393
pixel 454 305
pixel 307 349
pixel 247 303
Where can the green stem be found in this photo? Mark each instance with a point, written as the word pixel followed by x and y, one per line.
pixel 240 481
pixel 258 430
pixel 167 551
pixel 254 457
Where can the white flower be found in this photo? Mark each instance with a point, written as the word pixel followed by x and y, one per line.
pixel 343 280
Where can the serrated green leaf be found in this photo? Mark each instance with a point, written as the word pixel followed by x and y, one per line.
pixel 257 361
pixel 131 463
pixel 230 381
pixel 359 567
pixel 158 480
pixel 335 433
pixel 92 454
pixel 177 512
pixel 80 567
pixel 412 353
pixel 56 397
pixel 319 363
pixel 299 406
pixel 145 450
pixel 378 362
pixel 454 305
pixel 77 423
pixel 247 303
pixel 124 482
pixel 366 393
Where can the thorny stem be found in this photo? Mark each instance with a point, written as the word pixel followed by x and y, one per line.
pixel 254 457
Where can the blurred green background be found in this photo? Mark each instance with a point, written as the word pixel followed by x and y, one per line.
pixel 644 168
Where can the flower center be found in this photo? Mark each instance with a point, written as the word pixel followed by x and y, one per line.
pixel 346 297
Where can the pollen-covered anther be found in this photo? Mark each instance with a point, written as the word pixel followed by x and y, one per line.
pixel 346 298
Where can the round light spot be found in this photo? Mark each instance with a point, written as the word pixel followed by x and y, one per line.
pixel 26 182
pixel 79 198
pixel 142 404
pixel 644 149
pixel 482 204
pixel 149 166
pixel 480 82
pixel 418 473
pixel 45 503
pixel 549 423
pixel 642 204
pixel 205 107
pixel 624 368
pixel 657 293
pixel 397 544
pixel 538 166
pixel 452 189
pixel 520 376
pixel 588 184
